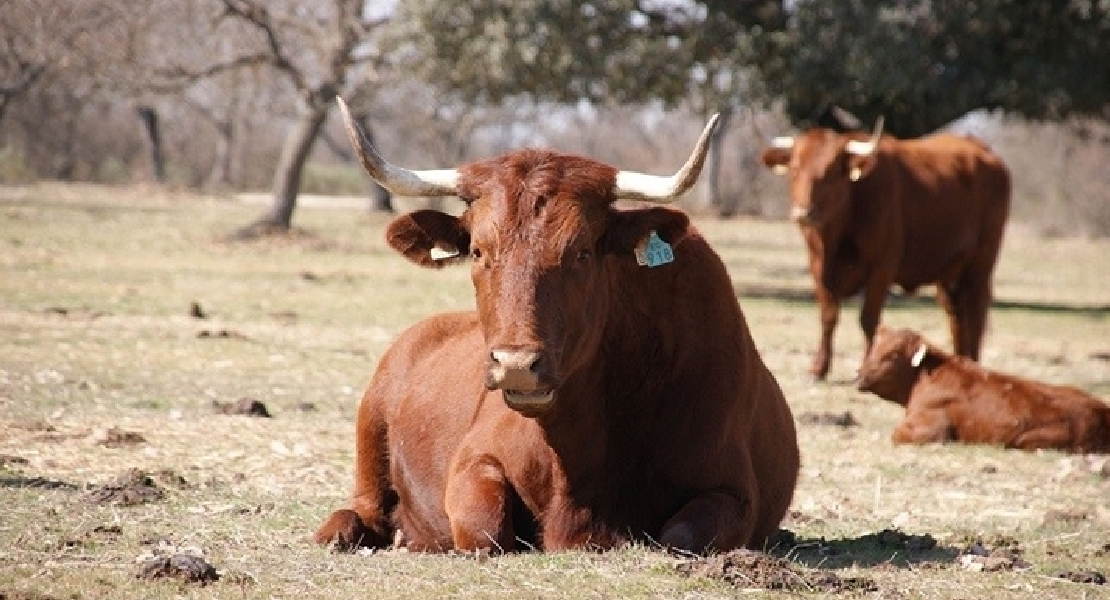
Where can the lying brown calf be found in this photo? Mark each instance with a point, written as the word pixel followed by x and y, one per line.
pixel 952 398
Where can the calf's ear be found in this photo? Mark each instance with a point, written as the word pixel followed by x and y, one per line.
pixel 628 228
pixel 429 238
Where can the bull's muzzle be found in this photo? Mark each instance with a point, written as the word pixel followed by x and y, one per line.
pixel 516 373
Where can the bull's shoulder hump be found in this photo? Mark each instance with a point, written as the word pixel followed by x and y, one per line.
pixel 441 328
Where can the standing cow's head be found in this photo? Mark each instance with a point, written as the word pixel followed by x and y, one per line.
pixel 540 233
pixel 822 166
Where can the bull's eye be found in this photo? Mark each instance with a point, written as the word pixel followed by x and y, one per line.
pixel 584 255
pixel 476 253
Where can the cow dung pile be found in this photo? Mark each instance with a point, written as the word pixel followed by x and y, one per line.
pixel 243 406
pixel 186 567
pixel 133 488
pixel 749 569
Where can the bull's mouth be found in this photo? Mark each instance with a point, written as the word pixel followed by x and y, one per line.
pixel 529 400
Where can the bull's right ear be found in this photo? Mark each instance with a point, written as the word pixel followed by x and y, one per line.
pixel 429 238
pixel 776 159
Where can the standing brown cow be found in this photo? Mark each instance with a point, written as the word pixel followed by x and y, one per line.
pixel 606 389
pixel 952 398
pixel 882 211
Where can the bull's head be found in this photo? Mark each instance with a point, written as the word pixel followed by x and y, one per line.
pixel 822 165
pixel 541 234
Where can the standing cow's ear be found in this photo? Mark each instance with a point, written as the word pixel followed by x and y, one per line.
pixel 776 159
pixel 429 238
pixel 860 166
pixel 629 228
pixel 919 356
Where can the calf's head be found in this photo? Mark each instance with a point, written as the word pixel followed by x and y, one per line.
pixel 541 236
pixel 891 366
pixel 821 165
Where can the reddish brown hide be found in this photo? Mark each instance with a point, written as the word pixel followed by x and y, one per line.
pixel 588 401
pixel 909 212
pixel 952 398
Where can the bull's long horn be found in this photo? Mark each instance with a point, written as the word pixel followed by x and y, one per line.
pixel 868 147
pixel 654 188
pixel 400 181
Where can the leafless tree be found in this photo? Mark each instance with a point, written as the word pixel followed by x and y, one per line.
pixel 317 50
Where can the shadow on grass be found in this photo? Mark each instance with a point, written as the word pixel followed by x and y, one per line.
pixel 888 547
pixel 38 483
pixel 921 300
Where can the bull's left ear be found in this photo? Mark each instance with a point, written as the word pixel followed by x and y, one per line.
pixel 860 166
pixel 629 228
pixel 429 238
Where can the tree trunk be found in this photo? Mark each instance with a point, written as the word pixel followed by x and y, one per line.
pixel 150 121
pixel 725 207
pixel 220 175
pixel 287 175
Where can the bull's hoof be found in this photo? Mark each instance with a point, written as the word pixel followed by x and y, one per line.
pixel 345 531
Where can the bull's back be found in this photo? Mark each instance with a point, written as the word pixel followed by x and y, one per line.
pixel 955 199
pixel 428 385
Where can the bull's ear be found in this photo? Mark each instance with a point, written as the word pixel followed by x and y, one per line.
pixel 776 159
pixel 919 356
pixel 860 166
pixel 429 238
pixel 629 228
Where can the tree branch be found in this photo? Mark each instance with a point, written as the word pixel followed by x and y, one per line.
pixel 259 17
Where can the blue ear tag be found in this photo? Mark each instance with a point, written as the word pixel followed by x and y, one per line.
pixel 653 251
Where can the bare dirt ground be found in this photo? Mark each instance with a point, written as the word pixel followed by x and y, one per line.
pixel 176 417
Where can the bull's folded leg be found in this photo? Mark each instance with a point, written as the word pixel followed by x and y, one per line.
pixel 715 521
pixel 478 505
pixel 348 531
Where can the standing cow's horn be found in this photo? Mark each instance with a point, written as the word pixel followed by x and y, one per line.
pixel 654 188
pixel 402 182
pixel 868 147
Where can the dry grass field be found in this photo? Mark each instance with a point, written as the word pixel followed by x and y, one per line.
pixel 114 450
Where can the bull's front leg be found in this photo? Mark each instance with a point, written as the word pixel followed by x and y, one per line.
pixel 478 503
pixel 712 522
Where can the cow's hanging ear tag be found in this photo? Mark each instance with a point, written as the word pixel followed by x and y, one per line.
pixel 438 253
pixel 919 356
pixel 652 251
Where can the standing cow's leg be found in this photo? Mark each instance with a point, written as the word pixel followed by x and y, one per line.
pixel 478 503
pixel 972 301
pixel 946 297
pixel 366 523
pixel 715 521
pixel 874 296
pixel 828 306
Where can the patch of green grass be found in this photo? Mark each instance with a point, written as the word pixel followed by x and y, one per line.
pixel 96 333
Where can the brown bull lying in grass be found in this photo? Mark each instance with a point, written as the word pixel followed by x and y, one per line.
pixel 953 398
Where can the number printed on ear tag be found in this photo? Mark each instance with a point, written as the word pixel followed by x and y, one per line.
pixel 654 252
